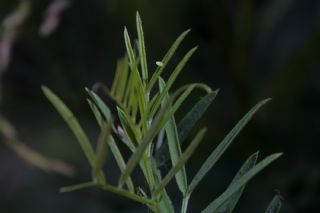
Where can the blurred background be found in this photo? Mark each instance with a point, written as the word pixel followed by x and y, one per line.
pixel 249 49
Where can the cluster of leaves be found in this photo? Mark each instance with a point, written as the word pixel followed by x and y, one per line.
pixel 149 130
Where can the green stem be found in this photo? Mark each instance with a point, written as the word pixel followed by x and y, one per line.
pixel 185 202
pixel 150 203
pixel 127 194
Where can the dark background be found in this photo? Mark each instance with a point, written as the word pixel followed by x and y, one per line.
pixel 249 49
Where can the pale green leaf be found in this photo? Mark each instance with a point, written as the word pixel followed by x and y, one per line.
pixel 142 99
pixel 174 146
pixel 142 49
pixel 166 59
pixel 119 85
pixel 171 80
pixel 130 52
pixel 74 125
pixel 96 112
pixel 105 110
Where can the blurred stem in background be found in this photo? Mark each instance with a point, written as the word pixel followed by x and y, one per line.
pixel 11 26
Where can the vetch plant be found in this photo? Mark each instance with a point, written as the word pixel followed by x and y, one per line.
pixel 146 107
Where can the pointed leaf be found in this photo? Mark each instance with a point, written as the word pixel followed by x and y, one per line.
pixel 96 112
pixel 275 205
pixel 171 80
pixel 221 148
pixel 100 104
pixel 142 49
pixel 73 123
pixel 166 59
pixel 193 116
pixel 240 182
pixel 228 205
pixel 130 51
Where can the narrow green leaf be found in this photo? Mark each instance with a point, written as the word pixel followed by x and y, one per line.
pixel 77 186
pixel 140 151
pixel 112 189
pixel 107 114
pixel 102 150
pixel 106 90
pixel 120 162
pixel 129 91
pixel 122 83
pixel 275 205
pixel 113 146
pixel 100 104
pixel 240 182
pixel 166 59
pixel 221 148
pixel 96 112
pixel 128 127
pixel 142 99
pixel 193 116
pixel 229 204
pixel 73 123
pixel 174 146
pixel 130 52
pixel 142 49
pixel 125 193
pixel 120 77
pixel 171 80
pixel 165 204
pixel 186 124
pixel 182 161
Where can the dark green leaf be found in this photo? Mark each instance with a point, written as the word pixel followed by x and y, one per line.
pixel 240 183
pixel 221 148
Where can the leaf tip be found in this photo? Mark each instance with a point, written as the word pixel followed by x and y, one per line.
pixel 138 16
pixel 279 154
pixel 125 30
pixel 87 89
pixel 44 88
pixel 266 100
pixel 216 91
pixel 195 48
pixel 187 32
pixel 63 190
